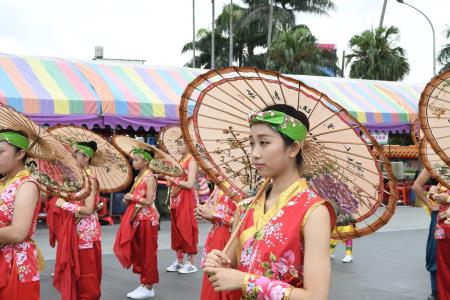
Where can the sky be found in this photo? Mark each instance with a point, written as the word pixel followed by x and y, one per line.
pixel 157 30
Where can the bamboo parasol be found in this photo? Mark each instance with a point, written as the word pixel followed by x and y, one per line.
pixel 338 163
pixel 109 166
pixel 53 168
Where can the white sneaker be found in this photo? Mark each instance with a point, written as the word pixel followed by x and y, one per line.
pixel 143 293
pixel 332 256
pixel 188 268
pixel 175 267
pixel 347 259
pixel 131 294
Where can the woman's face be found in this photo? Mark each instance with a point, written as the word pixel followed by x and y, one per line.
pixel 9 157
pixel 81 158
pixel 269 154
pixel 138 162
pixel 182 149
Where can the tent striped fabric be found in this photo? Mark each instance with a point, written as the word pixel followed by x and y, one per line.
pixel 53 90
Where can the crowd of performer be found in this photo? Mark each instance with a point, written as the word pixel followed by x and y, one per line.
pixel 280 249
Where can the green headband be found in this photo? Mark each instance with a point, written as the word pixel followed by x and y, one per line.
pixel 282 123
pixel 15 139
pixel 147 156
pixel 85 149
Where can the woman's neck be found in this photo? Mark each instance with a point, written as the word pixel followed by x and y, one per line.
pixel 284 180
pixel 143 170
pixel 85 166
pixel 14 171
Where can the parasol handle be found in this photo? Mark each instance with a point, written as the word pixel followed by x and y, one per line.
pixel 238 227
pixel 169 188
pixel 136 211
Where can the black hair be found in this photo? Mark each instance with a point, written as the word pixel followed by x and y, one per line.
pixel 150 152
pixel 292 112
pixel 90 144
pixel 15 147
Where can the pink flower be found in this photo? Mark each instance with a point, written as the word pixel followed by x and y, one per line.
pixel 286 262
pixel 269 290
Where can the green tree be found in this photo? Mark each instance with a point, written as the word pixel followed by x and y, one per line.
pixel 374 55
pixel 444 54
pixel 280 15
pixel 250 30
pixel 203 48
pixel 295 51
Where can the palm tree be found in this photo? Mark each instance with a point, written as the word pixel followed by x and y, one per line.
pixel 295 51
pixel 444 54
pixel 375 57
pixel 256 24
pixel 223 26
pixel 286 10
pixel 309 6
pixel 203 47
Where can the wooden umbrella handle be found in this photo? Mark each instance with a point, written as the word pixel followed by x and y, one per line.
pixel 238 227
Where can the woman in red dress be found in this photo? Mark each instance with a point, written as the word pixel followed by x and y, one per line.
pixel 19 208
pixel 137 238
pixel 282 247
pixel 184 226
pixel 219 210
pixel 442 236
pixel 78 266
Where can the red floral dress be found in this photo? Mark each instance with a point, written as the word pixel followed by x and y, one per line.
pixel 442 231
pixel 25 253
pixel 442 235
pixel 184 225
pixel 224 209
pixel 145 212
pixel 88 226
pixel 271 247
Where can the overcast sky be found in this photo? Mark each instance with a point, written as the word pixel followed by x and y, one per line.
pixel 156 30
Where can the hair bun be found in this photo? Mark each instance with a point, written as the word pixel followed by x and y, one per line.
pixel 92 145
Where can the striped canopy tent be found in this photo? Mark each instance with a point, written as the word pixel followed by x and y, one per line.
pixel 138 95
pixel 67 91
pixel 49 90
pixel 61 91
pixel 380 105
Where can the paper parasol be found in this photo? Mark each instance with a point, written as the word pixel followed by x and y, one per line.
pixel 168 139
pixel 109 166
pixel 170 136
pixel 434 164
pixel 162 163
pixel 338 163
pixel 434 114
pixel 54 169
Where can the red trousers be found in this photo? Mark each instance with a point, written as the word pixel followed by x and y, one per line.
pixel 217 239
pixel 208 292
pixel 443 269
pixel 88 285
pixel 14 290
pixel 144 252
pixel 184 225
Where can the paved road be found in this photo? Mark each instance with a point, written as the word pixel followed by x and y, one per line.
pixel 387 265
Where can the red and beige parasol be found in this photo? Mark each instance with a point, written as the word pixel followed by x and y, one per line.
pixel 338 162
pixel 54 169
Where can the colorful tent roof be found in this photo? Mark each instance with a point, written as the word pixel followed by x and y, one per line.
pixel 46 86
pixel 130 91
pixel 380 105
pixel 53 91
